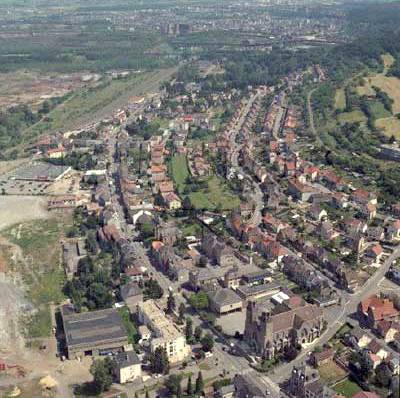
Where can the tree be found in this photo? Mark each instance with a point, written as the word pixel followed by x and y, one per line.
pixel 189 388
pixel 181 311
pixel 153 289
pixel 189 329
pixel 199 301
pixel 199 383
pixel 383 374
pixel 198 332
pixel 207 342
pixel 366 366
pixel 173 384
pixel 101 372
pixel 171 305
pixel 290 353
pixel 159 362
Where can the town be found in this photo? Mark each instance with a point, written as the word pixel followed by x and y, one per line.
pixel 209 244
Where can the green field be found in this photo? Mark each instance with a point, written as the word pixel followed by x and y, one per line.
pixel 352 117
pixel 216 195
pixel 213 193
pixel 347 388
pixel 179 171
pixel 340 99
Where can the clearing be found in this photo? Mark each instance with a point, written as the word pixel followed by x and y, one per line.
pixel 390 85
pixel 340 99
pixel 32 88
pixel 390 126
pixel 352 117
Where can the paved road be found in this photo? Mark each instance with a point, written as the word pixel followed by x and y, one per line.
pixel 349 307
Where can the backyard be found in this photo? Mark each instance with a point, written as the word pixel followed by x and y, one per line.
pixel 347 388
pixel 212 193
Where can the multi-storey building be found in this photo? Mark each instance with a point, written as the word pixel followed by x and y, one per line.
pixel 164 333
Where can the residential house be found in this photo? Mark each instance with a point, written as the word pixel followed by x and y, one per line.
pixel 203 279
pixel 374 309
pixel 218 252
pixel 388 329
pixel 393 231
pixel 320 358
pixel 232 278
pixel 168 233
pixel 300 191
pixel 172 201
pixel 127 367
pixel 317 213
pixel 374 254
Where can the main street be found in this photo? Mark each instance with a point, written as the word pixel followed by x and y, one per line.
pixel 349 307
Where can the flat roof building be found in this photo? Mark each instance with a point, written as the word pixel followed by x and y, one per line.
pixel 93 333
pixel 165 333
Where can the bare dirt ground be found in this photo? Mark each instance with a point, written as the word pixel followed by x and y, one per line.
pixel 15 209
pixel 27 365
pixel 23 87
pixel 10 165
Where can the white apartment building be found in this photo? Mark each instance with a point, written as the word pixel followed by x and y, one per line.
pixel 164 331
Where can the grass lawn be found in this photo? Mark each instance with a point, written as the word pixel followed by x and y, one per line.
pixel 340 99
pixel 366 89
pixel 390 85
pixel 330 372
pixel 216 195
pixel 180 171
pixel 133 336
pixel 390 126
pixel 347 388
pixel 352 117
pixel 191 229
